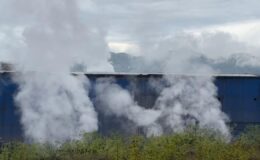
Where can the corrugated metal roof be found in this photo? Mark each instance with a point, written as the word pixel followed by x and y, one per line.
pixel 150 74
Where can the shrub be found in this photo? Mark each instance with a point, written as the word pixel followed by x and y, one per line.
pixel 192 144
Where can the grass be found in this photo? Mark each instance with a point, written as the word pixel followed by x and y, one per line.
pixel 189 145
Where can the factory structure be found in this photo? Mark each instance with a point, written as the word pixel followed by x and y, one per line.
pixel 238 94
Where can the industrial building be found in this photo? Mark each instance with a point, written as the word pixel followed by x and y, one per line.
pixel 238 94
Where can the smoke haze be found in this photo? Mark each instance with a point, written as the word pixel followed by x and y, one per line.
pixel 46 40
pixel 54 104
pixel 118 101
pixel 191 101
pixel 55 107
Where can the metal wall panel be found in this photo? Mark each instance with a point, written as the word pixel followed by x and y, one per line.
pixel 239 96
pixel 10 127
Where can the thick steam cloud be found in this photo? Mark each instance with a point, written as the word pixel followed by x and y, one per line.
pixel 191 101
pixel 118 101
pixel 183 101
pixel 54 104
pixel 189 97
pixel 53 36
pixel 55 110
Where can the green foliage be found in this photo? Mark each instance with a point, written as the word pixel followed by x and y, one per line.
pixel 192 144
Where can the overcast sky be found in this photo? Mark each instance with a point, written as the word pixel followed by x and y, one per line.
pixel 127 24
pixel 127 20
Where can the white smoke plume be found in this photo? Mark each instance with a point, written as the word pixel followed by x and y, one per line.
pixel 55 107
pixel 53 37
pixel 188 98
pixel 183 101
pixel 118 101
pixel 189 101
